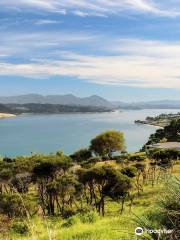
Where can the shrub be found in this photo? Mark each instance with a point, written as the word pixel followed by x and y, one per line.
pixel 89 217
pixel 20 228
pixel 90 162
pixel 81 155
pixel 11 205
pixel 67 213
pixel 5 174
pixel 121 159
pixel 71 221
pixel 21 182
pixel 165 214
pixel 129 171
pixel 140 166
pixel 137 157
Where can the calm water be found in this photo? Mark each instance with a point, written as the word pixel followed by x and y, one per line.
pixel 49 133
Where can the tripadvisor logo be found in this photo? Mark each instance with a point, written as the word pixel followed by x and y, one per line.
pixel 139 231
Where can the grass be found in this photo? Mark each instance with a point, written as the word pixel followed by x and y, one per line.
pixel 112 227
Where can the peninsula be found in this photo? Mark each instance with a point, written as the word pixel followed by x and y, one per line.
pixel 162 120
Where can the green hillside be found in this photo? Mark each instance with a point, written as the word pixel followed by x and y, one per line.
pixel 90 195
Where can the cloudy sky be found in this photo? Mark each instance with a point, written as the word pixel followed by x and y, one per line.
pixel 119 49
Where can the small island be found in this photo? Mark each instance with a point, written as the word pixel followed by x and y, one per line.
pixel 161 121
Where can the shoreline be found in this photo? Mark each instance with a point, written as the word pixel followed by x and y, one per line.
pixel 148 123
pixel 6 115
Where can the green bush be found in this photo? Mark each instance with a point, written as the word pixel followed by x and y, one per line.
pixel 5 174
pixel 89 217
pixel 81 155
pixel 129 171
pixel 68 213
pixel 86 217
pixel 12 206
pixel 165 213
pixel 90 162
pixel 71 221
pixel 20 228
pixel 121 159
pixel 137 157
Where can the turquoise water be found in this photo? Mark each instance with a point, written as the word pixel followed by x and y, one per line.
pixel 69 132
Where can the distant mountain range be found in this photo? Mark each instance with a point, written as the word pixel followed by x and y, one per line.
pixel 94 100
pixel 69 100
pixel 161 104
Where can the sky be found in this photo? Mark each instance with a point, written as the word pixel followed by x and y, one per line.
pixel 122 50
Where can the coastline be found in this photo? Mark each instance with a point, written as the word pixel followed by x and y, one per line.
pixel 156 126
pixel 148 123
pixel 7 115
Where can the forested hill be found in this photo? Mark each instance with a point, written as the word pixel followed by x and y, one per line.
pixel 6 109
pixel 49 108
pixel 170 132
pixel 68 99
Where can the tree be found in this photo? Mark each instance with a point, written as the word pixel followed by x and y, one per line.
pixel 62 191
pixel 140 170
pixel 11 205
pixel 82 155
pixel 45 172
pixel 107 143
pixel 101 182
pixel 164 157
pixel 117 187
pixel 21 182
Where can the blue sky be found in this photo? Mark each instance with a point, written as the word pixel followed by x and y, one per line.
pixel 127 50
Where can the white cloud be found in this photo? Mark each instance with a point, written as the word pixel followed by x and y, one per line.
pixel 137 63
pixel 80 13
pixel 168 8
pixel 46 21
pixel 27 45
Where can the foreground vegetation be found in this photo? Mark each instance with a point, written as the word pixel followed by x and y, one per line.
pixel 92 194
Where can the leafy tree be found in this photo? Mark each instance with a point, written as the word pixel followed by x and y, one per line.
pixel 118 186
pixel 100 182
pixel 107 143
pixel 62 191
pixel 21 182
pixel 140 172
pixel 164 157
pixel 45 172
pixel 82 155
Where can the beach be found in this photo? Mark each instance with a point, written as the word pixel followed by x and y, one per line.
pixel 7 115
